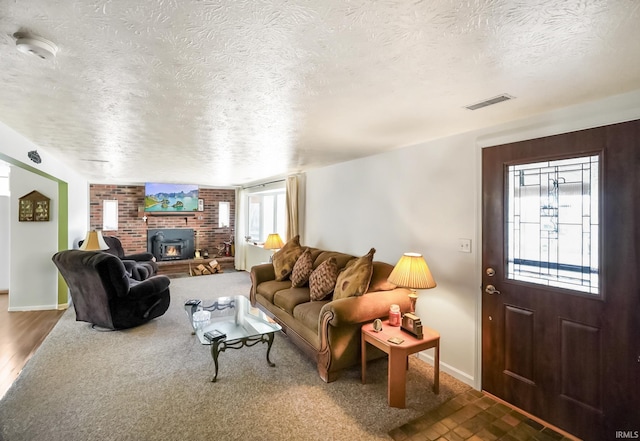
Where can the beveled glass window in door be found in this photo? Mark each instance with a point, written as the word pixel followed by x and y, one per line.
pixel 553 223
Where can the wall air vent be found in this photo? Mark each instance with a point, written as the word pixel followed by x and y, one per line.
pixel 490 102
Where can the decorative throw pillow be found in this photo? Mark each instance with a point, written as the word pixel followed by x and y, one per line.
pixel 323 279
pixel 302 269
pixel 285 258
pixel 355 278
pixel 380 276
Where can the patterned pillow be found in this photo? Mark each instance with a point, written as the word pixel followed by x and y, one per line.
pixel 302 269
pixel 323 279
pixel 285 258
pixel 355 278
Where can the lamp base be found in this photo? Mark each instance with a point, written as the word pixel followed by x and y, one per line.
pixel 413 296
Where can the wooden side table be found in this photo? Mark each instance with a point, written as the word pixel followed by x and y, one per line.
pixel 398 357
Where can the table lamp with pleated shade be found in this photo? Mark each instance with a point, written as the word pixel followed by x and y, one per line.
pixel 412 272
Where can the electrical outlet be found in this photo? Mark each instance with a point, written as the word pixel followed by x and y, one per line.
pixel 464 245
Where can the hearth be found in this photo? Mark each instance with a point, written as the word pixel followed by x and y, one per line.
pixel 171 243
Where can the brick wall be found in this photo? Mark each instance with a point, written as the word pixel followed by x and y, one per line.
pixel 132 230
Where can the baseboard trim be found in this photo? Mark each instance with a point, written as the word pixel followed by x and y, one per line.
pixel 32 308
pixel 444 367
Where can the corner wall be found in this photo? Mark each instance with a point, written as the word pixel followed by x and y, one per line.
pixel 13 149
pixel 32 254
pixel 4 241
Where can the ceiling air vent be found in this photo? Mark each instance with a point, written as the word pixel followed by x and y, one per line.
pixel 490 102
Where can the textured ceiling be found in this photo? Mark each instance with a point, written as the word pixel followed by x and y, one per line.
pixel 228 92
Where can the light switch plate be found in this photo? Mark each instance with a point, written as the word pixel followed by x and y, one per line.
pixel 464 245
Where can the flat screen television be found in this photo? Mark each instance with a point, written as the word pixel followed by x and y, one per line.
pixel 170 198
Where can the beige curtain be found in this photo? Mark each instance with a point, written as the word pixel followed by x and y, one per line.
pixel 292 207
pixel 240 224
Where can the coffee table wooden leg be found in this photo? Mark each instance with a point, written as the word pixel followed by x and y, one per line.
pixel 397 379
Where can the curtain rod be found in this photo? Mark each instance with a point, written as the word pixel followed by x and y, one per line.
pixel 264 184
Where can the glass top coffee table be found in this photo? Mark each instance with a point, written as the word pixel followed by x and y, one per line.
pixel 230 323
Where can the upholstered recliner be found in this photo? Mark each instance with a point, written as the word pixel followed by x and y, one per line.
pixel 103 293
pixel 140 266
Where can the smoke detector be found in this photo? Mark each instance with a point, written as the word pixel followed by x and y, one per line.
pixel 38 46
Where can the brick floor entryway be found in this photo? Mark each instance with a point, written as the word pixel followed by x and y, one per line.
pixel 475 416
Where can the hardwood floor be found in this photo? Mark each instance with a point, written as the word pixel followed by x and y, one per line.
pixel 21 332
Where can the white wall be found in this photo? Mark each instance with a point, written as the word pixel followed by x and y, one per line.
pixel 255 255
pixel 415 199
pixel 26 294
pixel 32 246
pixel 424 198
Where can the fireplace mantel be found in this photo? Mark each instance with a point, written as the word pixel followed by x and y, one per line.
pixel 172 214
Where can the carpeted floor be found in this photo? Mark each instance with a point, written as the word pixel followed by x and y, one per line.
pixel 153 383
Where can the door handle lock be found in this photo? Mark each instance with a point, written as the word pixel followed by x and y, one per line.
pixel 490 289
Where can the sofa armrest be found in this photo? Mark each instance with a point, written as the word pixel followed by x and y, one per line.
pixel 260 273
pixel 364 309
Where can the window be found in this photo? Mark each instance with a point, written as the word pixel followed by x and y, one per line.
pixel 109 215
pixel 223 214
pixel 553 226
pixel 267 214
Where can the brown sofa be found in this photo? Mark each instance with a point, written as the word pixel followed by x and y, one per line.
pixel 326 330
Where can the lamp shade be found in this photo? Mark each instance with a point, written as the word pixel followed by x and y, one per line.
pixel 94 241
pixel 273 242
pixel 412 272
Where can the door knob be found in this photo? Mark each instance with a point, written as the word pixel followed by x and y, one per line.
pixel 490 289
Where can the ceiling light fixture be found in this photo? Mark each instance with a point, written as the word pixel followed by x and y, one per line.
pixel 35 45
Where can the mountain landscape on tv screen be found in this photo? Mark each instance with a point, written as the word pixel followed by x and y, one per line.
pixel 170 197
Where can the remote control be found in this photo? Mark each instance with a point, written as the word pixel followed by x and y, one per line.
pixel 214 335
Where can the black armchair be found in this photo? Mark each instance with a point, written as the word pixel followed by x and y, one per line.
pixel 103 293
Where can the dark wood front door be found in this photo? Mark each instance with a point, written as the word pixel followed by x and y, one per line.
pixel 565 348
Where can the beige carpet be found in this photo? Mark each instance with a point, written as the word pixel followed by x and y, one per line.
pixel 153 383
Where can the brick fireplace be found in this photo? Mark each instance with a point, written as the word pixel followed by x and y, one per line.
pixel 133 229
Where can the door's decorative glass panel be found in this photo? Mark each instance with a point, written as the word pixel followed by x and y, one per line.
pixel 553 224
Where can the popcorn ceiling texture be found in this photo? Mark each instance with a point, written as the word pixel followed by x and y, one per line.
pixel 236 91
